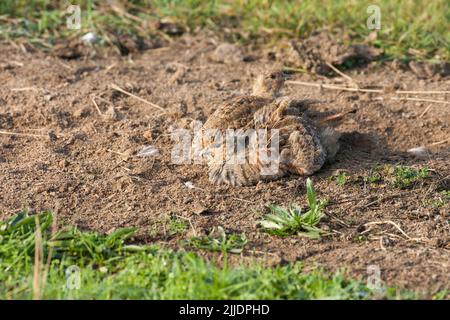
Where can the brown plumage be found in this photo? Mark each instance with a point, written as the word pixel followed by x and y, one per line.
pixel 303 148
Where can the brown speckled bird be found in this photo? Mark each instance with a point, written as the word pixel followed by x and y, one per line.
pixel 303 147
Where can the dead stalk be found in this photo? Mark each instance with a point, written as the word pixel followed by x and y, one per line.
pixel 388 222
pixel 117 88
pixel 351 80
pixel 96 106
pixel 415 99
pixel 9 133
pixel 38 260
pixel 335 87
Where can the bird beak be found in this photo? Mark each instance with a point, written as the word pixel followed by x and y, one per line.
pixel 287 76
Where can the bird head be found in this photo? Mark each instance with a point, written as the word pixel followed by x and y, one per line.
pixel 269 84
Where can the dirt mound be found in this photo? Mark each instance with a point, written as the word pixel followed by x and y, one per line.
pixel 321 49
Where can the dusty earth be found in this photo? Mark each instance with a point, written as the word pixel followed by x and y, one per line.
pixel 75 144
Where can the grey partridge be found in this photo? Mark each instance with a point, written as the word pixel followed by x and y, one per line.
pixel 302 147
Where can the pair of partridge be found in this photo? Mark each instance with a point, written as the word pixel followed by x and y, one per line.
pixel 302 146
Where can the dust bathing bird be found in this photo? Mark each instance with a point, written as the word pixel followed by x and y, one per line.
pixel 303 147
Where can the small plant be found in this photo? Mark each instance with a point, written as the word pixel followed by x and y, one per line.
pixel 440 200
pixel 177 225
pixel 405 177
pixel 282 222
pixel 435 203
pixel 341 178
pixel 360 238
pixel 67 242
pixel 219 240
pixel 442 295
pixel 374 178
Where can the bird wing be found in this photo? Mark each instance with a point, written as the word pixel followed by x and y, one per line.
pixel 235 114
pixel 299 141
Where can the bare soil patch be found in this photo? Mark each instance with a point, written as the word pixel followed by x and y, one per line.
pixel 84 166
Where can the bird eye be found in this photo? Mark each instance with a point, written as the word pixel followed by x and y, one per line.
pixel 272 76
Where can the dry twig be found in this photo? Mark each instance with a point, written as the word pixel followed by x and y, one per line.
pixel 117 88
pixel 351 80
pixel 415 99
pixel 9 133
pixel 335 87
pixel 388 222
pixel 96 106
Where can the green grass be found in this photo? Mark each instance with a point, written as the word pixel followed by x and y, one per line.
pixel 84 265
pixel 406 177
pixel 342 178
pixel 170 226
pixel 442 295
pixel 401 177
pixel 285 222
pixel 438 199
pixel 219 240
pixel 177 225
pixel 409 24
pixel 373 178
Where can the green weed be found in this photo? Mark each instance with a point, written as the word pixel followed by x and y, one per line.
pixel 285 222
pixel 405 176
pixel 177 225
pixel 219 240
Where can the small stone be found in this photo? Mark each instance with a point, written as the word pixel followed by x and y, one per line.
pixel 113 114
pixel 148 151
pixel 82 113
pixel 182 107
pixel 166 25
pixel 200 209
pixel 190 185
pixel 148 134
pixel 228 53
pixel 52 136
pixel 63 163
pixel 90 37
pixel 103 269
pixel 419 152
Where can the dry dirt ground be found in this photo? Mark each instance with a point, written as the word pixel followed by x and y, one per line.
pixel 82 162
